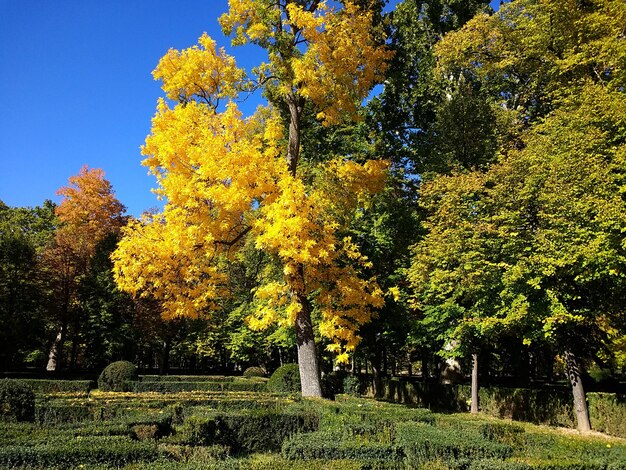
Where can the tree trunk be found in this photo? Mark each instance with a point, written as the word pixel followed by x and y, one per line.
pixel 377 382
pixel 55 357
pixel 474 405
pixel 296 106
pixel 164 363
pixel 578 391
pixel 307 354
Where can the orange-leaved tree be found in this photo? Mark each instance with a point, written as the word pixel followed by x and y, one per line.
pixel 88 212
pixel 228 181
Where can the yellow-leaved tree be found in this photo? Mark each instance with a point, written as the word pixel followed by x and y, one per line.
pixel 228 181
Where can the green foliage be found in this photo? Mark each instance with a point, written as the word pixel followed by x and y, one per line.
pixel 253 372
pixel 185 378
pixel 24 294
pixel 17 401
pixel 352 386
pixel 179 386
pixel 55 413
pixel 116 376
pixel 46 386
pixel 330 445
pixel 248 431
pixel 105 450
pixel 422 443
pixel 285 379
pixel 608 413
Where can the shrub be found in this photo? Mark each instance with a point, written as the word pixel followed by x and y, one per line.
pixel 175 387
pixel 331 446
pixel 352 386
pixel 422 443
pixel 185 378
pixel 285 379
pixel 17 401
pixel 53 413
pixel 249 431
pixel 101 450
pixel 501 432
pixel 45 386
pixel 253 372
pixel 115 377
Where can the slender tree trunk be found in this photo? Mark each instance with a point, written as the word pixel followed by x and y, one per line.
pixel 377 382
pixel 55 357
pixel 409 364
pixel 164 363
pixel 75 343
pixel 474 405
pixel 580 401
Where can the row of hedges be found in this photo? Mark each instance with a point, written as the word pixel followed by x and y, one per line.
pixel 542 406
pixel 185 378
pixel 243 385
pixel 47 386
pixel 69 453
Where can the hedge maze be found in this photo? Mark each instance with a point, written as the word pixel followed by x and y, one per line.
pixel 189 422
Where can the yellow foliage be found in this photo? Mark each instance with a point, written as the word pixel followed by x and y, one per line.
pixel 201 70
pixel 226 181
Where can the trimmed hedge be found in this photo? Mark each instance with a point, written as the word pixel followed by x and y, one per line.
pixel 253 372
pixel 116 376
pixel 185 378
pixel 422 443
pixel 333 446
pixel 17 401
pixel 251 431
pixel 56 413
pixel 45 386
pixel 176 386
pixel 541 406
pixel 109 451
pixel 285 379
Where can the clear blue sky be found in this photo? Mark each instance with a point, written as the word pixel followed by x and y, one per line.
pixel 76 84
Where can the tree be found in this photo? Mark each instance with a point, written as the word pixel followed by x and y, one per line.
pixel 405 115
pixel 88 213
pixel 557 67
pixel 227 180
pixel 534 245
pixel 24 234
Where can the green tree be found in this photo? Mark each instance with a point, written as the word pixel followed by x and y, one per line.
pixel 534 245
pixel 24 234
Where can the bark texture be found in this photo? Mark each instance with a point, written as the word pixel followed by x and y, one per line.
pixel 307 354
pixel 578 391
pixel 474 405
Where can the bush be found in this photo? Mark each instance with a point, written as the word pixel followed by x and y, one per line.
pixel 51 414
pixel 352 386
pixel 249 431
pixel 115 377
pixel 422 443
pixel 332 446
pixel 253 372
pixel 101 450
pixel 285 379
pixel 45 386
pixel 204 386
pixel 17 401
pixel 185 378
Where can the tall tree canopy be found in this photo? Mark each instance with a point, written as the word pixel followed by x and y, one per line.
pixel 227 179
pixel 88 212
pixel 533 243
